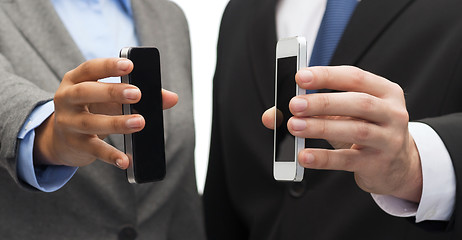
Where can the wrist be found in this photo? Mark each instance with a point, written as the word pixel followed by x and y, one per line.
pixel 43 144
pixel 411 188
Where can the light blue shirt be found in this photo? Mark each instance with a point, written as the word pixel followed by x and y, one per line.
pixel 100 28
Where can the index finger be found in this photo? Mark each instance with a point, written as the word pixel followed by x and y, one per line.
pixel 346 78
pixel 95 69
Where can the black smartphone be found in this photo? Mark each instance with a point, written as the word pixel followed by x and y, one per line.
pixel 146 148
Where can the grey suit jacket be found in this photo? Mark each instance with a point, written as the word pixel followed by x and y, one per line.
pixel 98 203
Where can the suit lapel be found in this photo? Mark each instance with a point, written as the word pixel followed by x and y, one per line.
pixel 262 49
pixel 147 23
pixel 370 19
pixel 41 26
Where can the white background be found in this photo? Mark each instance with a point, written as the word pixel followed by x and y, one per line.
pixel 204 18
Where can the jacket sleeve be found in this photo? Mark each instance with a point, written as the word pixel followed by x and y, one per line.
pixel 18 98
pixel 449 128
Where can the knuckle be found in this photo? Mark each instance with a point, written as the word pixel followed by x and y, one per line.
pixel 396 89
pixel 85 68
pixel 326 160
pixel 325 102
pixel 366 103
pixel 357 75
pixel 108 65
pixel 323 73
pixel 60 120
pixel 116 124
pixel 318 128
pixel 363 132
pixel 400 115
pixel 59 96
pixel 76 92
pixel 68 75
pixel 112 91
pixel 403 116
pixel 323 128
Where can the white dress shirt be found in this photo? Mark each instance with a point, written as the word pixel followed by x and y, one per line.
pixel 303 18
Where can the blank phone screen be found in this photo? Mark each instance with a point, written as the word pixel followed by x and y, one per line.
pixel 285 142
pixel 148 144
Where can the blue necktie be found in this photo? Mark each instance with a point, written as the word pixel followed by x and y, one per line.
pixel 336 17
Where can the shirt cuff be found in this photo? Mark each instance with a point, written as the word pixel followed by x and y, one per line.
pixel 45 178
pixel 439 181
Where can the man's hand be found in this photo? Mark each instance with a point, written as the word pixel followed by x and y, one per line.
pixel 367 123
pixel 86 111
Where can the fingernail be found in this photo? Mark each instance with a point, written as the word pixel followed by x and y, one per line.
pixel 309 158
pixel 118 163
pixel 123 65
pixel 305 76
pixel 298 104
pixel 131 93
pixel 298 124
pixel 134 122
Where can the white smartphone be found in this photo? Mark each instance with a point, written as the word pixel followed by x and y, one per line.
pixel 145 149
pixel 290 57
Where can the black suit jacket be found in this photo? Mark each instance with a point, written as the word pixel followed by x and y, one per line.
pixel 415 43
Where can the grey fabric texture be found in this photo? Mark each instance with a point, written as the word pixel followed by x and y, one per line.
pixel 98 202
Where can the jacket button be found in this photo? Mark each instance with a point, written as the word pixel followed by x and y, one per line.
pixel 297 189
pixel 127 233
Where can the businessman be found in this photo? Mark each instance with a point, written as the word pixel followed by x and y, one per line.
pixel 400 92
pixel 55 113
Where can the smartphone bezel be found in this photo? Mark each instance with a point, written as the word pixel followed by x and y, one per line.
pixel 128 137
